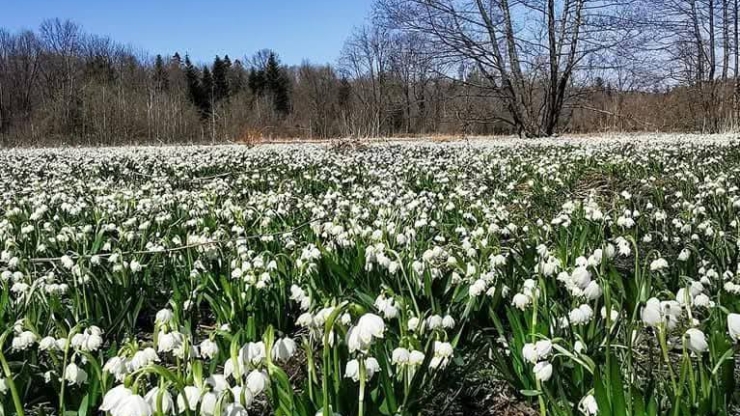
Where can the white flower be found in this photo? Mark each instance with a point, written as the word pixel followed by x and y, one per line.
pixel 696 341
pixel 253 353
pixel 132 405
pixel 117 367
pixel 529 353
pixel 48 344
pixel 283 349
pixel 434 322
pixel 188 399
pixel 208 349
pixel 114 397
pixel 416 358
pixel 733 326
pixel 23 340
pixel 650 314
pixel 542 371
pixel 360 336
pixel 208 403
pixel 400 356
pixel 235 409
pixel 448 322
pixel 521 301
pixel 588 405
pixel 413 323
pixel 257 382
pixel 544 348
pixel 352 370
pixel 164 316
pixel 217 382
pixel 157 396
pixel 242 395
pixel 74 374
pixel 658 264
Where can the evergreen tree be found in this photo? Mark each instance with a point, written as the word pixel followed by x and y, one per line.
pixel 195 89
pixel 277 83
pixel 220 80
pixel 237 77
pixel 256 81
pixel 161 81
pixel 207 87
pixel 176 60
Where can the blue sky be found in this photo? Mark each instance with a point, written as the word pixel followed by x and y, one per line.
pixel 296 29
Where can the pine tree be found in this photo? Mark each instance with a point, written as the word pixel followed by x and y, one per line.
pixel 207 87
pixel 237 78
pixel 256 81
pixel 195 90
pixel 161 81
pixel 220 80
pixel 176 60
pixel 277 83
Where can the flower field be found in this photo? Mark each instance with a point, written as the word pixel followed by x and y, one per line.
pixel 585 276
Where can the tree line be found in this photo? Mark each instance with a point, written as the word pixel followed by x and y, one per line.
pixel 417 67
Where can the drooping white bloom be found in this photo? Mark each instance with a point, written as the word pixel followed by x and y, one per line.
pixel 542 370
pixel 733 326
pixel 188 399
pixel 253 353
pixel 159 397
pixel 400 356
pixel 114 397
pixel 132 405
pixel 588 405
pixel 360 336
pixel 208 349
pixel 74 374
pixel 23 340
pixel 164 316
pixel 696 340
pixel 257 381
pixel 283 349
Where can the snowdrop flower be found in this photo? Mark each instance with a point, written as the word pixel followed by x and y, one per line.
pixel 733 326
pixel 114 397
pixel 400 356
pixel 696 341
pixel 477 288
pixel 188 399
pixel 74 374
pixel 448 322
pixel 413 324
pixel 360 336
pixel 283 349
pixel 257 382
pixel 588 406
pixel 253 353
pixel 658 264
pixel 155 396
pixel 416 358
pixel 434 322
pixel 235 409
pixel 521 301
pixel 542 371
pixel 651 313
pixel 352 370
pixel 23 340
pixel 164 316
pixel 208 349
pixel 133 405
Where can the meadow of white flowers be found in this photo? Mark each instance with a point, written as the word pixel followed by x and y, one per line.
pixel 590 276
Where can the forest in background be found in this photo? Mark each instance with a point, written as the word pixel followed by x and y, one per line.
pixel 416 68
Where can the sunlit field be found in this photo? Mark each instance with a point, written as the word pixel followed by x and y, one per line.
pixel 540 277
